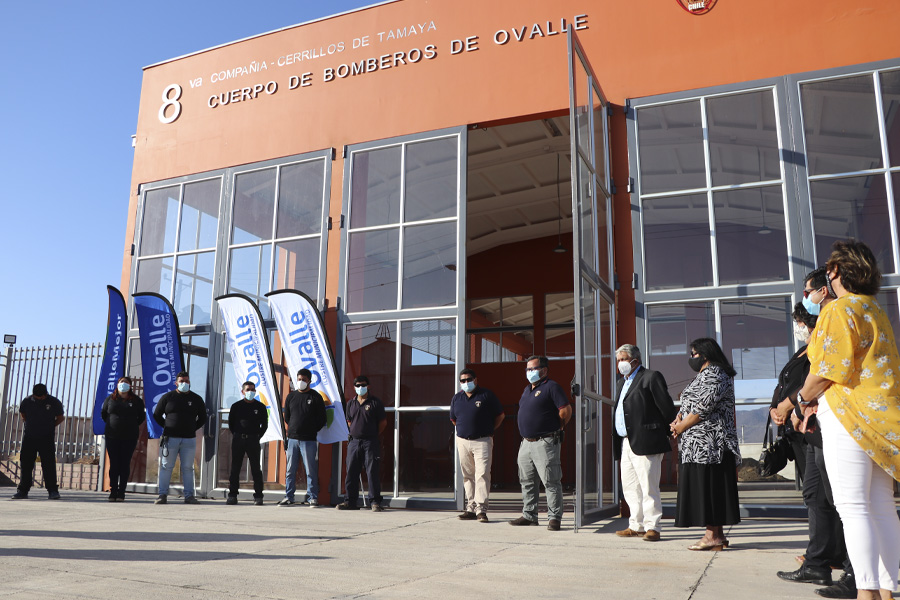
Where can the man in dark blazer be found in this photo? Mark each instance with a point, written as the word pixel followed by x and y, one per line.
pixel 640 438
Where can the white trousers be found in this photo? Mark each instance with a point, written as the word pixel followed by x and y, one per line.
pixel 475 463
pixel 864 497
pixel 640 486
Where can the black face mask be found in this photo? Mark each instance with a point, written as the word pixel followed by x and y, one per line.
pixel 696 363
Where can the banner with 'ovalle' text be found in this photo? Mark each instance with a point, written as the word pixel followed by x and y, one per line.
pixel 113 365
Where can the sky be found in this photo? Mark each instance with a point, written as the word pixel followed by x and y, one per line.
pixel 70 83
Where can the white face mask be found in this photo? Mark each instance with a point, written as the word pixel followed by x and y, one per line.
pixel 533 375
pixel 801 333
pixel 123 387
pixel 184 387
pixel 624 367
pixel 361 390
pixel 249 394
pixel 302 385
pixel 467 386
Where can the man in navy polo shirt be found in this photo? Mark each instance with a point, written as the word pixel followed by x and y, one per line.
pixel 476 413
pixel 544 410
pixel 366 420
pixel 41 413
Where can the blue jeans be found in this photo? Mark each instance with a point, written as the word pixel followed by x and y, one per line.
pixel 183 448
pixel 309 452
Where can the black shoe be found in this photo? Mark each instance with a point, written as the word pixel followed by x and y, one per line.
pixel 844 588
pixel 466 516
pixel 553 524
pixel 258 501
pixel 162 499
pixel 346 506
pixel 522 521
pixel 112 498
pixel 232 500
pixel 807 574
pixel 19 496
pixel 193 500
pixel 482 518
pixel 53 496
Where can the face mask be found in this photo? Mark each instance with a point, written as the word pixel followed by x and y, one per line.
pixel 123 387
pixel 302 385
pixel 468 386
pixel 184 386
pixel 811 307
pixel 801 333
pixel 624 367
pixel 696 363
pixel 828 286
pixel 533 375
pixel 361 390
pixel 249 394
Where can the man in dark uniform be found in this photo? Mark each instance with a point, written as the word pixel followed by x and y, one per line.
pixel 544 410
pixel 248 420
pixel 366 420
pixel 476 412
pixel 180 413
pixel 643 412
pixel 41 413
pixel 304 414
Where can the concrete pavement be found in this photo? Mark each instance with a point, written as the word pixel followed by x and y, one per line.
pixel 86 547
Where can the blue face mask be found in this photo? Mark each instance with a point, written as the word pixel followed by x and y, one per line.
pixel 123 387
pixel 361 390
pixel 810 306
pixel 468 386
pixel 249 394
pixel 184 386
pixel 533 375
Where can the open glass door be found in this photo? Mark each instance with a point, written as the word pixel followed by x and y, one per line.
pixel 594 297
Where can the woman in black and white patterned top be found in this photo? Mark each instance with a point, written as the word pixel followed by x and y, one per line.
pixel 708 447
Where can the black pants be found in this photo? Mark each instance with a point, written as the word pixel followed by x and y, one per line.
pixel 360 452
pixel 31 447
pixel 119 452
pixel 239 447
pixel 826 546
pixel 800 448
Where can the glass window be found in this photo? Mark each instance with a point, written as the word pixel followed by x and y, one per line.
pixel 600 146
pixel 200 215
pixel 890 98
pixel 249 273
pixel 840 123
pixel 155 275
pixel 670 328
pixel 426 453
pixel 582 108
pixel 159 222
pixel 431 179
pixel 300 192
pixel 370 350
pixel 254 206
pixel 427 363
pixel 588 323
pixel 297 266
pixel 376 187
pixel 585 219
pixel 677 251
pixel 743 140
pixel 852 207
pixel 429 265
pixel 372 272
pixel 671 147
pixel 756 338
pixel 194 288
pixel 750 235
pixel 500 329
pixel 559 325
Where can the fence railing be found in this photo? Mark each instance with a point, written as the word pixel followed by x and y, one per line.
pixel 70 374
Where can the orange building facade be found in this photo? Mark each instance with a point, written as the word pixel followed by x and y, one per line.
pixel 410 166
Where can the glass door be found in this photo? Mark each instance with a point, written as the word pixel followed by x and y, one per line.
pixel 594 297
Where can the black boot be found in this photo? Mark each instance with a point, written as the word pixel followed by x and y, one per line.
pixel 844 588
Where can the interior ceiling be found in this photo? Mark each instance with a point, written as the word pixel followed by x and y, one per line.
pixel 515 191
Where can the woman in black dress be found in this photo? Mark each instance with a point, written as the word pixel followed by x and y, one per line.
pixel 123 412
pixel 708 447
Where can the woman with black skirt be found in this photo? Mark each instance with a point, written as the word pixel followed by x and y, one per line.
pixel 123 412
pixel 708 447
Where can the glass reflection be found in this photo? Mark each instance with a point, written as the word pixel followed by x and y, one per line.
pixel 841 125
pixel 370 350
pixel 375 187
pixel 431 179
pixel 582 108
pixel 677 249
pixel 671 141
pixel 503 346
pixel 155 275
pixel 249 274
pixel 429 265
pixel 200 215
pixel 159 222
pixel 372 272
pixel 426 453
pixel 756 338
pixel 750 235
pixel 193 288
pixel 297 266
pixel 890 97
pixel 588 324
pixel 254 206
pixel 743 140
pixel 427 363
pixel 586 214
pixel 301 191
pixel 854 207
pixel 670 328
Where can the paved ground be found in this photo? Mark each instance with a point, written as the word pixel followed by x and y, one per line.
pixel 85 547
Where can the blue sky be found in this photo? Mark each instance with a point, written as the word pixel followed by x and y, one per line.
pixel 70 82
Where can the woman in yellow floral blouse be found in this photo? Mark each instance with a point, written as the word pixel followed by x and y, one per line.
pixel 855 379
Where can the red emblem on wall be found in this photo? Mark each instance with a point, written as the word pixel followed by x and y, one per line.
pixel 697 7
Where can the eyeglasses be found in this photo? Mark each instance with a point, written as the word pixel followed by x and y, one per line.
pixel 806 292
pixel 467 380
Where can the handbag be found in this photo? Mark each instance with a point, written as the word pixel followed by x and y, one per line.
pixel 775 453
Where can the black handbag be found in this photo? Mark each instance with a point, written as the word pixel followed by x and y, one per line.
pixel 775 454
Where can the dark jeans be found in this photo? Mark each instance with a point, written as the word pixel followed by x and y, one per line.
pixel 360 452
pixel 826 546
pixel 31 447
pixel 250 447
pixel 119 452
